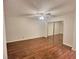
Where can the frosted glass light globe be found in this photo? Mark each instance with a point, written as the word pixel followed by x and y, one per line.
pixel 41 17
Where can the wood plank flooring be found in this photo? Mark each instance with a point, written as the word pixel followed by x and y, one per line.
pixel 40 48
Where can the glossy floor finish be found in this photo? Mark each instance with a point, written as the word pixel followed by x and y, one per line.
pixel 40 48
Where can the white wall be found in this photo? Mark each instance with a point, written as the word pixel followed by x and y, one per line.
pixel 69 30
pixel 18 28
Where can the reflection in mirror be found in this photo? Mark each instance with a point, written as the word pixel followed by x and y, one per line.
pixel 55 32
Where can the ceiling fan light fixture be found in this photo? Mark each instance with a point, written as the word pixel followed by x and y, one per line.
pixel 41 18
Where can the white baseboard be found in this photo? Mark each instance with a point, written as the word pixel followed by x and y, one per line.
pixel 73 49
pixel 21 39
pixel 67 44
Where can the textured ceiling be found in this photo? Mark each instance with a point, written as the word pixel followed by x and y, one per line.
pixel 18 7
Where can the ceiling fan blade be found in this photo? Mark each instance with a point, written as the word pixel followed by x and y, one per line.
pixel 29 15
pixel 62 14
pixel 32 14
pixel 26 14
pixel 63 4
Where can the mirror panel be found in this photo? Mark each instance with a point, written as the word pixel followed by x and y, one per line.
pixel 55 32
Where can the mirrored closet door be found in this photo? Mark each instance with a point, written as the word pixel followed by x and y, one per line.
pixel 55 32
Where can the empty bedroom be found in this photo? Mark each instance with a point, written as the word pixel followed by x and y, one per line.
pixel 40 29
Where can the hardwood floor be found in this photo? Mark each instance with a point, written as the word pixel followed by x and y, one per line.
pixel 40 48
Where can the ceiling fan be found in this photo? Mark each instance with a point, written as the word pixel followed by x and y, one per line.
pixel 45 15
pixel 48 14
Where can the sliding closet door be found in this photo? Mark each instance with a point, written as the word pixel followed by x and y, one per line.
pixel 51 32
pixel 58 34
pixel 55 33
